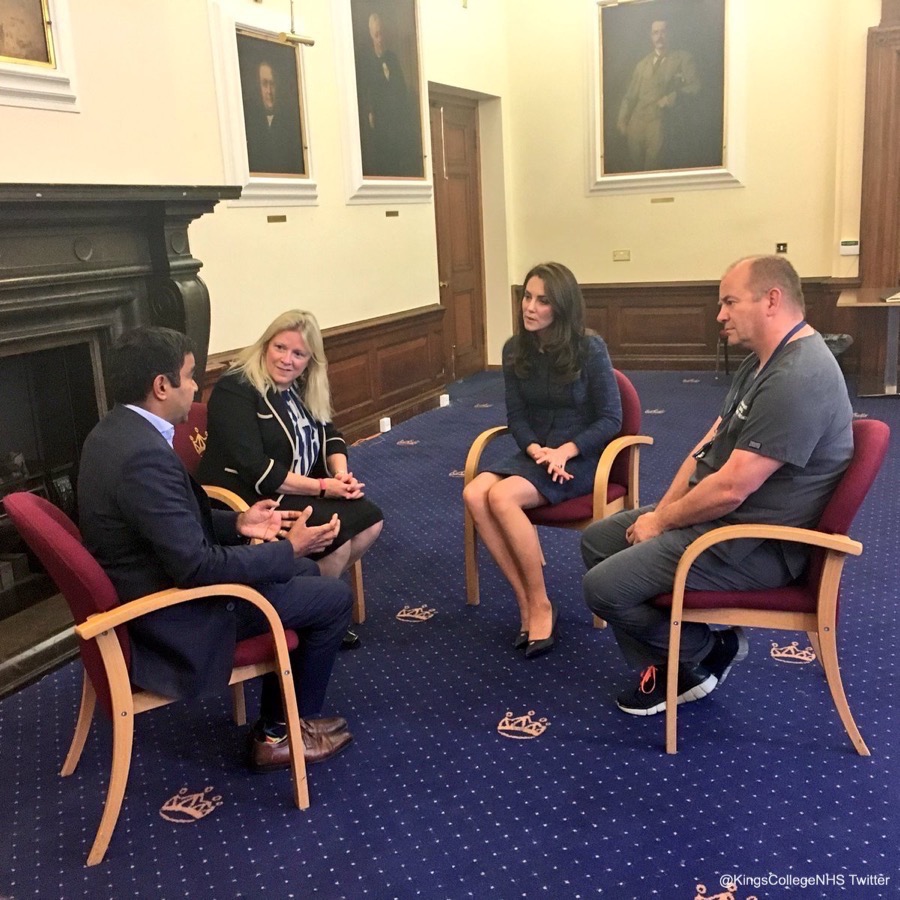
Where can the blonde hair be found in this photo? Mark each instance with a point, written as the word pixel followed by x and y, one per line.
pixel 312 385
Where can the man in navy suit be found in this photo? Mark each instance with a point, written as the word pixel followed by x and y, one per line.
pixel 151 528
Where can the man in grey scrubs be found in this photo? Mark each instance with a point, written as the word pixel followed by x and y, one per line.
pixel 774 455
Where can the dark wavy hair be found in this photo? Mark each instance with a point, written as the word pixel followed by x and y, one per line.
pixel 564 339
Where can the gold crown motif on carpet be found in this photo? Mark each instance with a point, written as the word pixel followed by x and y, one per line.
pixel 792 653
pixel 522 727
pixel 416 613
pixel 408 442
pixel 185 807
pixel 199 441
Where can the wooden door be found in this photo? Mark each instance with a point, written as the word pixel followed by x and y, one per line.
pixel 460 251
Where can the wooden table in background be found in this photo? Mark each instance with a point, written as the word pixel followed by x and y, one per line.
pixel 878 340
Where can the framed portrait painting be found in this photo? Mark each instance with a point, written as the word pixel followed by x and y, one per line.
pixel 661 111
pixel 270 98
pixel 385 100
pixel 261 93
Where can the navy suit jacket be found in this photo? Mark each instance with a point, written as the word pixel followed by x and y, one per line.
pixel 150 527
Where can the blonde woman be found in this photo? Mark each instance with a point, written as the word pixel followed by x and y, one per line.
pixel 271 435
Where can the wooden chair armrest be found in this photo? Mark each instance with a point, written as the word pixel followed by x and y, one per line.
pixel 612 450
pixel 127 612
pixel 474 455
pixel 229 498
pixel 627 442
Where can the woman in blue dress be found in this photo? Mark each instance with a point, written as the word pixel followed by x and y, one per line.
pixel 563 407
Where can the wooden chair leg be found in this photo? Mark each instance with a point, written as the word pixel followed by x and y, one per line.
pixel 123 740
pixel 238 704
pixel 672 688
pixel 82 726
pixel 359 594
pixel 470 549
pixel 828 656
pixel 295 737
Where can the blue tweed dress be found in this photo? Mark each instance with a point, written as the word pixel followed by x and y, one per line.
pixel 541 409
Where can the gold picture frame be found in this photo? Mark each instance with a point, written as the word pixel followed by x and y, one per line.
pixel 26 36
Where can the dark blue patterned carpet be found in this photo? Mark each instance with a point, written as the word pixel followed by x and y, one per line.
pixel 431 800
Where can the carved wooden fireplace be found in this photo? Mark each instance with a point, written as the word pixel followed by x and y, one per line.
pixel 79 264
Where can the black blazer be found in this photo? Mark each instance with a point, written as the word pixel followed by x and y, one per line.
pixel 250 445
pixel 150 526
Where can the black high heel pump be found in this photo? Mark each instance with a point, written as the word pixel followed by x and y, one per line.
pixel 544 645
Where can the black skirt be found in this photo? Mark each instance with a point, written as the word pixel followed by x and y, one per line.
pixel 355 515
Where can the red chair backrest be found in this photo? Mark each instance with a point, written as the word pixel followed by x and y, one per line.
pixel 56 542
pixel 631 424
pixel 870 444
pixel 190 438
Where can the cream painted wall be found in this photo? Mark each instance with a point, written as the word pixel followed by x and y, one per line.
pixel 146 95
pixel 803 83
pixel 146 88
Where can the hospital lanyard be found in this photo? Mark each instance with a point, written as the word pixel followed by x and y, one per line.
pixel 736 402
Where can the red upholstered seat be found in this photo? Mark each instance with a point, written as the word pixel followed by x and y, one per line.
pixel 251 650
pixel 190 438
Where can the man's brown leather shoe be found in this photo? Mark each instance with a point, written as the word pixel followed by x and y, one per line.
pixel 319 747
pixel 331 725
pixel 267 756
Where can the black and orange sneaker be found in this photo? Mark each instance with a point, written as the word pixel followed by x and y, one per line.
pixel 649 697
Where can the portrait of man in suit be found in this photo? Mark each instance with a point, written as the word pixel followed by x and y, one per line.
pixel 387 86
pixel 663 85
pixel 270 90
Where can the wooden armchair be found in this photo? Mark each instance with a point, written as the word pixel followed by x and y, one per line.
pixel 106 650
pixel 811 605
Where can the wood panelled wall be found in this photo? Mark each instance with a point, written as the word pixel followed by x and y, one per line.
pixel 879 262
pixel 389 366
pixel 672 325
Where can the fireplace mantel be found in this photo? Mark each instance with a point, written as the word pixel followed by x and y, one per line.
pixel 107 256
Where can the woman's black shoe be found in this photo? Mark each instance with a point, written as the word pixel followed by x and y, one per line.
pixel 544 645
pixel 350 641
pixel 521 640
